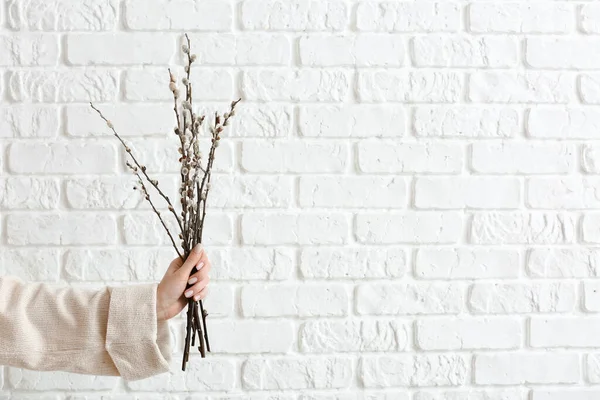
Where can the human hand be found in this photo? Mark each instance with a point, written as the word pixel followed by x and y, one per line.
pixel 172 292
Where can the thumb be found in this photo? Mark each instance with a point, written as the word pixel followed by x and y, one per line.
pixel 192 260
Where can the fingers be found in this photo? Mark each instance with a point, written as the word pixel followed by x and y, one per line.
pixel 203 268
pixel 192 260
pixel 198 291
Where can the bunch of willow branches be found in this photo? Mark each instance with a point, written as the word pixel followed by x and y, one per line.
pixel 194 189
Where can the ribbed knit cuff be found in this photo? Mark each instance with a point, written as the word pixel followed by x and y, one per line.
pixel 138 344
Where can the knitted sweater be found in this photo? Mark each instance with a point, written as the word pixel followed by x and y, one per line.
pixel 112 331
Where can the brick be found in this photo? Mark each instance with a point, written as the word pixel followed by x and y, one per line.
pixel 159 154
pixel 212 48
pixel 146 229
pixel 590 161
pixel 28 50
pixel 413 87
pixel 30 264
pixel 251 336
pixel 63 229
pixel 409 299
pixel 462 51
pixel 250 191
pixel 201 375
pixel 588 86
pixel 466 263
pixel 588 17
pixel 559 394
pixel 286 228
pixel 300 373
pixel 241 49
pixel 252 264
pixel 246 396
pixel 469 333
pixel 409 227
pixel 306 85
pixel 581 53
pixel 570 123
pixel 263 49
pixel 396 394
pixel 590 231
pixel 521 17
pixel 29 193
pixel 113 193
pixel 152 84
pixel 125 265
pixel 592 366
pixel 61 158
pixel 466 122
pixel 62 86
pixel 406 16
pixel 220 302
pixel 262 120
pixel 335 192
pixel 128 120
pixel 563 193
pixel 62 15
pixel 524 368
pixel 295 15
pixel 343 121
pixel 120 49
pixel 26 380
pixel 556 262
pixel 352 263
pixel 394 157
pixel 522 158
pixel 130 396
pixel 281 300
pixel 30 121
pixel 467 192
pixel 401 371
pixel 564 332
pixel 517 298
pixel 352 336
pixel 365 50
pixel 294 156
pixel 341 396
pixel 591 296
pixel 187 15
pixel 517 87
pixel 473 394
pixel 33 397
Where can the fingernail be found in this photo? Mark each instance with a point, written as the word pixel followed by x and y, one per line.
pixel 189 293
pixel 199 266
pixel 197 297
pixel 193 280
pixel 198 248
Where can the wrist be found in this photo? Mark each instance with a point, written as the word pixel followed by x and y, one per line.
pixel 161 315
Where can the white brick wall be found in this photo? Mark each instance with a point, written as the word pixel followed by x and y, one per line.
pixel 407 206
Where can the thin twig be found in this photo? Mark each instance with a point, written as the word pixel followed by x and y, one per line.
pixel 147 196
pixel 154 183
pixel 204 315
pixel 199 328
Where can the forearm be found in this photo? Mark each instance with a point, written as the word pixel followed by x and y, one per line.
pixel 83 331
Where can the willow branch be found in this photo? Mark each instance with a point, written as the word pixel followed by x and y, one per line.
pixel 147 196
pixel 141 167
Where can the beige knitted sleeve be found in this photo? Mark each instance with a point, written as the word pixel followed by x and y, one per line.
pixel 113 331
